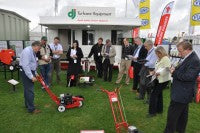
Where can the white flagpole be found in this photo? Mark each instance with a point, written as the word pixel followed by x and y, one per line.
pixel 56 7
pixel 190 27
pixel 126 9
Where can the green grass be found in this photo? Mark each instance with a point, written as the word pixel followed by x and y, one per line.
pixel 94 115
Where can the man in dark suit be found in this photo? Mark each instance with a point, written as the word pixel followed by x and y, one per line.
pixel 184 77
pixel 140 53
pixel 96 51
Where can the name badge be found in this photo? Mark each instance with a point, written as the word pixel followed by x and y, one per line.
pixel 46 57
pixel 99 54
pixel 75 61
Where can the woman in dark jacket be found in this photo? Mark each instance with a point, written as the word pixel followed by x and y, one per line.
pixel 74 56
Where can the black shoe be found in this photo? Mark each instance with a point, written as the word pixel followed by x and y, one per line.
pixel 150 115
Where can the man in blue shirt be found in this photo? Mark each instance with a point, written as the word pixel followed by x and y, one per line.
pixel 28 63
pixel 148 66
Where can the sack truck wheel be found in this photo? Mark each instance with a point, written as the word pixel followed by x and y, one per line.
pixel 80 104
pixel 61 108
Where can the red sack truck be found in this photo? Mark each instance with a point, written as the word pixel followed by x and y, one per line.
pixel 119 115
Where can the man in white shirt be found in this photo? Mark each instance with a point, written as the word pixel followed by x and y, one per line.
pixel 57 51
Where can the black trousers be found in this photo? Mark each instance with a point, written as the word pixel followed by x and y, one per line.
pixel 143 89
pixel 156 97
pixel 107 67
pixel 99 66
pixel 177 117
pixel 136 78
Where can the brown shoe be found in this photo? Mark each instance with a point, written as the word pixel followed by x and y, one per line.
pixel 36 111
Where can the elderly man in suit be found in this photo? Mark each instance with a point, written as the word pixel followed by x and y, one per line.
pixel 140 53
pixel 184 77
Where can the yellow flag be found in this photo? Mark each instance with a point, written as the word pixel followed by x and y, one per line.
pixel 195 13
pixel 144 14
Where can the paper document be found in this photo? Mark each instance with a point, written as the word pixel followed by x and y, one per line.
pixel 13 82
pixel 130 56
pixel 161 70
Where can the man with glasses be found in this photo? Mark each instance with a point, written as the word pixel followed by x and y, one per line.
pixel 184 78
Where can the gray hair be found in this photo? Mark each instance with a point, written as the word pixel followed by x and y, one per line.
pixel 149 42
pixel 36 43
pixel 186 45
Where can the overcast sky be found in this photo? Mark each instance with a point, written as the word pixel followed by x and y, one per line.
pixel 179 21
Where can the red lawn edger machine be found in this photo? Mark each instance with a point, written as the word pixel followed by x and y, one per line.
pixel 65 101
pixel 119 116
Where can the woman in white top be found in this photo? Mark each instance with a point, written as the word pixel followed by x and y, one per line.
pixel 163 77
pixel 74 56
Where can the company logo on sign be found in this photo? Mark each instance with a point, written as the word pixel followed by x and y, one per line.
pixel 196 17
pixel 144 10
pixel 197 3
pixel 142 0
pixel 72 13
pixel 145 22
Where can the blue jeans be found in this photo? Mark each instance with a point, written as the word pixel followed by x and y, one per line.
pixel 45 71
pixel 28 91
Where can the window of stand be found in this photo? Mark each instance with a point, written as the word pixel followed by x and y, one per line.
pixel 116 37
pixel 88 37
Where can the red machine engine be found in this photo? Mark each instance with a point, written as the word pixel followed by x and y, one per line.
pixel 6 56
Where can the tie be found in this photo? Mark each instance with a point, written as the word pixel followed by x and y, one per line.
pixel 135 51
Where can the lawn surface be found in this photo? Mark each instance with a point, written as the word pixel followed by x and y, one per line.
pixel 94 115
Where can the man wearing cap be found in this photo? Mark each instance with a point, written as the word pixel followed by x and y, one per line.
pixel 57 51
pixel 28 64
pixel 44 56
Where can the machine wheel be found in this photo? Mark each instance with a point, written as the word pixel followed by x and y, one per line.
pixel 80 104
pixel 61 108
pixel 11 68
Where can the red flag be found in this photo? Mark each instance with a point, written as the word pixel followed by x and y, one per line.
pixel 135 32
pixel 163 23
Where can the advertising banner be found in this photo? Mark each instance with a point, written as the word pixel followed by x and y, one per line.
pixel 195 13
pixel 17 46
pixel 163 23
pixel 135 32
pixel 3 45
pixel 144 14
